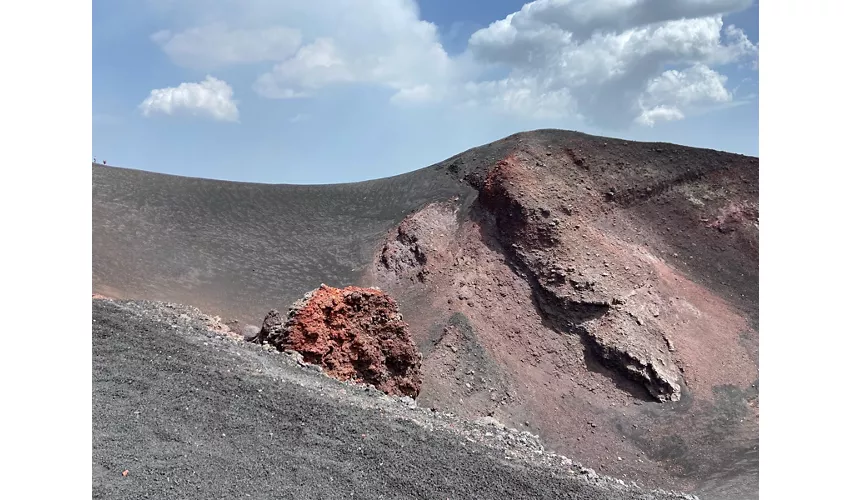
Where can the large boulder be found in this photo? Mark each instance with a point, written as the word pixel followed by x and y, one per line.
pixel 352 333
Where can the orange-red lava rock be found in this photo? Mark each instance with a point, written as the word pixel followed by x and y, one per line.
pixel 352 333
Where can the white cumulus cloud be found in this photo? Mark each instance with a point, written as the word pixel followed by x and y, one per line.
pixel 211 98
pixel 608 60
pixel 692 87
pixel 659 113
pixel 612 63
pixel 377 42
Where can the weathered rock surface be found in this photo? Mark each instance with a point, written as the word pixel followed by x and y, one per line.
pixel 352 333
pixel 577 289
pixel 420 235
pixel 403 255
pixel 603 281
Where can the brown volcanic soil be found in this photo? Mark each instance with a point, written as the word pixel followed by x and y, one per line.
pixel 598 292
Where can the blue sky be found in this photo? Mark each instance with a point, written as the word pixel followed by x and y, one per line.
pixel 323 91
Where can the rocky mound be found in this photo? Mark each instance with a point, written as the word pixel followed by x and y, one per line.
pixel 353 334
pixel 606 281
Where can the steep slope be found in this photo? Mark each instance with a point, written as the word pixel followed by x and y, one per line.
pixel 603 293
pixel 590 281
pixel 189 413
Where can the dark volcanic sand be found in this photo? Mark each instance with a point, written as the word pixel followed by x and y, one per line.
pixel 192 414
pixel 239 249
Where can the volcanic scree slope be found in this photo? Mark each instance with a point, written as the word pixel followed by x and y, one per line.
pixel 598 292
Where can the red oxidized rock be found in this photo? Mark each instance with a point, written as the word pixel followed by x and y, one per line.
pixel 353 333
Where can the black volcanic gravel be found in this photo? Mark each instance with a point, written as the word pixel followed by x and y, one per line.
pixel 193 414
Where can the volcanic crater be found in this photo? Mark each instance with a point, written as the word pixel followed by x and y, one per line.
pixel 598 292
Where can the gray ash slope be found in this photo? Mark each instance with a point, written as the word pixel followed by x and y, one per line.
pixel 190 413
pixel 240 249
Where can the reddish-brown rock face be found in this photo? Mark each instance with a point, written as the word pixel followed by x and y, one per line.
pixel 586 279
pixel 352 333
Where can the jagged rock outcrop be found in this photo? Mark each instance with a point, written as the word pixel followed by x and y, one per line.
pixel 405 255
pixel 634 350
pixel 352 333
pixel 581 291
